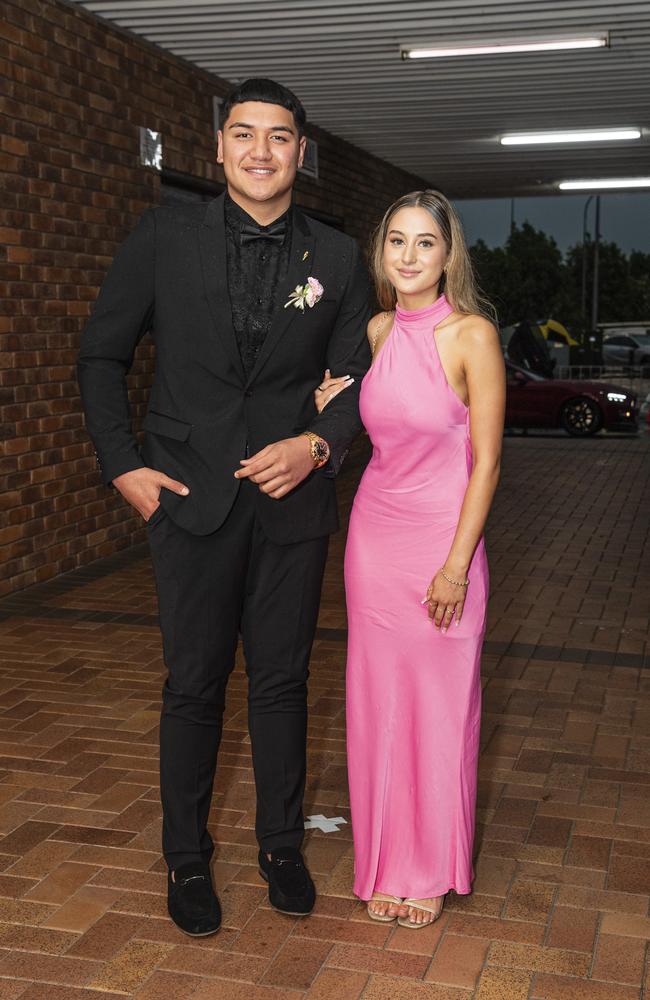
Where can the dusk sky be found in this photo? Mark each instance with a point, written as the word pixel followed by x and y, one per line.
pixel 624 218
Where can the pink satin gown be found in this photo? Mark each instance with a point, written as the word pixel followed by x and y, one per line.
pixel 413 693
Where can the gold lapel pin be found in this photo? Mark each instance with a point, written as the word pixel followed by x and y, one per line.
pixel 305 255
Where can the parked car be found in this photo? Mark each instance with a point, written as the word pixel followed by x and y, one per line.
pixel 627 349
pixel 581 408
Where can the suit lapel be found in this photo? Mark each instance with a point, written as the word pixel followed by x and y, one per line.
pixel 301 264
pixel 212 238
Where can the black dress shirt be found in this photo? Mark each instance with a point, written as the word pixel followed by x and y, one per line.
pixel 255 270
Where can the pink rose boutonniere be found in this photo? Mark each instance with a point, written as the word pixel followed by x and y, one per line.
pixel 311 293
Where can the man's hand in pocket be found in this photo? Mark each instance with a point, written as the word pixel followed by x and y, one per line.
pixel 141 488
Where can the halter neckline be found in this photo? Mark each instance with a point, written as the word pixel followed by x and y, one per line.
pixel 435 311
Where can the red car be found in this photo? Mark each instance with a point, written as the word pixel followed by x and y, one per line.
pixel 581 408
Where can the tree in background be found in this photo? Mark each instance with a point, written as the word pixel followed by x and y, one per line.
pixel 639 284
pixel 528 278
pixel 525 279
pixel 620 295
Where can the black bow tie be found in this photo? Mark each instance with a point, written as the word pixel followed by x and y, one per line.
pixel 275 233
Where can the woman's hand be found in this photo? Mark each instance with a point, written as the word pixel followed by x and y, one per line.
pixel 445 600
pixel 329 388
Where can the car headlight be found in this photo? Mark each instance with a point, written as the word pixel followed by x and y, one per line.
pixel 616 397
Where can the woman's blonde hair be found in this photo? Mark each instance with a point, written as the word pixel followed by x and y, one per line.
pixel 457 281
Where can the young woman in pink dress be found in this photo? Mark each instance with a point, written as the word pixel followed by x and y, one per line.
pixel 415 568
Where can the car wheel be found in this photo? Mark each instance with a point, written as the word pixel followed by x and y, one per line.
pixel 581 417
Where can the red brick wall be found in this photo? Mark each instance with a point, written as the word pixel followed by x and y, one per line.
pixel 72 187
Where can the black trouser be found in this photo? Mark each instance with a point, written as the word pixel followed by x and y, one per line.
pixel 210 588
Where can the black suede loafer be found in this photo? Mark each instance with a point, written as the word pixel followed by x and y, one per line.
pixel 191 900
pixel 291 889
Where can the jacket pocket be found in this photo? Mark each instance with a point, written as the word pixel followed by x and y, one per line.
pixel 169 427
pixel 157 516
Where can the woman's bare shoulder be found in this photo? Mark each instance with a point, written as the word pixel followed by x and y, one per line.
pixel 379 320
pixel 477 330
pixel 378 326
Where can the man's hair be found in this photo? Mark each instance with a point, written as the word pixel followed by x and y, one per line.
pixel 268 92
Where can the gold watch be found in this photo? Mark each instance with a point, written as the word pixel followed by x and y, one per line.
pixel 320 450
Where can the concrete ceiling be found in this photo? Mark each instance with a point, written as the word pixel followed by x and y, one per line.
pixel 438 118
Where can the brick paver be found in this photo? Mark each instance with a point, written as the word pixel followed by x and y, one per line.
pixel 560 908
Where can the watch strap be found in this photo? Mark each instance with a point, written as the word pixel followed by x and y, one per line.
pixel 320 450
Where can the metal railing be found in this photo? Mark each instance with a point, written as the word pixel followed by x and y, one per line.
pixel 635 379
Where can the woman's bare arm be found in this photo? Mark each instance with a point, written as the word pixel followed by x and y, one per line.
pixel 484 371
pixel 486 389
pixel 377 331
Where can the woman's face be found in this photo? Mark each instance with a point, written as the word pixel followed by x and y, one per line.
pixel 414 253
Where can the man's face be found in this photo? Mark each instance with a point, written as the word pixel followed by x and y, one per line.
pixel 260 150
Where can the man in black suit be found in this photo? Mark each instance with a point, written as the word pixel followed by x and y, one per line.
pixel 248 302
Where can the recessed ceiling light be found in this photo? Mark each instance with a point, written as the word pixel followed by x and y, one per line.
pixel 497 48
pixel 544 138
pixel 601 185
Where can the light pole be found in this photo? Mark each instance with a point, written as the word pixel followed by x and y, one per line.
pixel 594 295
pixel 584 260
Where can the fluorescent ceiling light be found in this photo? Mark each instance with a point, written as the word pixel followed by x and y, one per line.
pixel 496 48
pixel 542 138
pixel 601 185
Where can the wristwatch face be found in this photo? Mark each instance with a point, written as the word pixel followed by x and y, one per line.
pixel 320 451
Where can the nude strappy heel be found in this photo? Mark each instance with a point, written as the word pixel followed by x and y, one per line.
pixel 419 905
pixel 379 897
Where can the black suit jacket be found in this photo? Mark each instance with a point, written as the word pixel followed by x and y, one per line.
pixel 170 277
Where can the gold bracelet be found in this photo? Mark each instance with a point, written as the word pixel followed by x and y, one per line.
pixel 456 583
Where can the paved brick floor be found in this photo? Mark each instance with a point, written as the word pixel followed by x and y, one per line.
pixel 560 907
